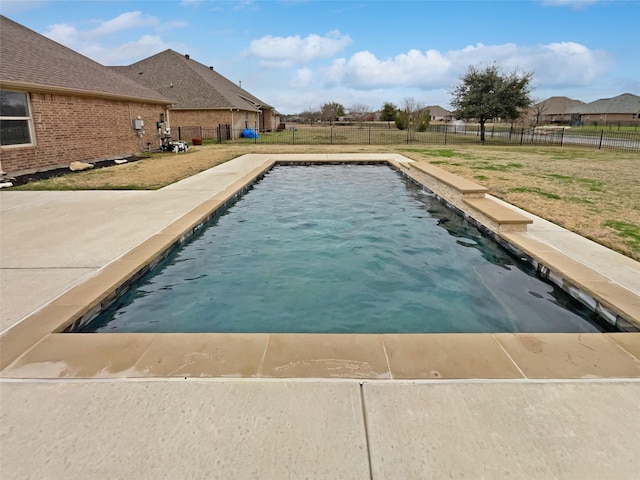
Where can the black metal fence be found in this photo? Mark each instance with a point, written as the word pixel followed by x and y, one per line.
pixel 442 134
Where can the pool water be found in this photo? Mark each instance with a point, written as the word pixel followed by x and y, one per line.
pixel 342 249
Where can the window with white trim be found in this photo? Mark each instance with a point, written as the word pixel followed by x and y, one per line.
pixel 16 124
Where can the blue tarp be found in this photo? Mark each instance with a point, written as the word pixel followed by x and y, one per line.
pixel 249 133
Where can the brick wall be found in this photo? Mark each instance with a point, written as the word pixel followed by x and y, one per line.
pixel 69 128
pixel 213 118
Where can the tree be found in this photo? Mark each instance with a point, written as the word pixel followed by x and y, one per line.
pixel 311 115
pixel 389 113
pixel 538 110
pixel 412 114
pixel 331 111
pixel 359 111
pixel 485 94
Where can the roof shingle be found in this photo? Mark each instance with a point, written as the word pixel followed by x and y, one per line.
pixel 34 61
pixel 192 84
pixel 625 103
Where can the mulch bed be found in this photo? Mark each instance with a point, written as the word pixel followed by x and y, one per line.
pixel 59 172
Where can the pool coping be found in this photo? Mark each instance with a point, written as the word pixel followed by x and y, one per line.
pixel 35 348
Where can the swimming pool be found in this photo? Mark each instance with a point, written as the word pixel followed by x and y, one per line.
pixel 337 249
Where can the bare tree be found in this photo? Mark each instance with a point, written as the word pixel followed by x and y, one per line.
pixel 359 112
pixel 538 110
pixel 311 115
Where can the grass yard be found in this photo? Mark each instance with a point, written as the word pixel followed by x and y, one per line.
pixel 594 193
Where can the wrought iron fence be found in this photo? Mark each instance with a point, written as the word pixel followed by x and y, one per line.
pixel 441 134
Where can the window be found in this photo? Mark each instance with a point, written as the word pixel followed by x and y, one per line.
pixel 15 119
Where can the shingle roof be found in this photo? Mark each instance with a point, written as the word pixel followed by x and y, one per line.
pixel 625 103
pixel 438 111
pixel 192 84
pixel 558 105
pixel 30 60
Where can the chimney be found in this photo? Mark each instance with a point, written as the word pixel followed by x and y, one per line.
pixel 186 56
pixel 211 68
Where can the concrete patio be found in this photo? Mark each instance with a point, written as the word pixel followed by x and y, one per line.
pixel 542 406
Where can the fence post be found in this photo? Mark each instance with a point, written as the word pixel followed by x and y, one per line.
pixel 562 137
pixel 331 135
pixel 200 131
pixel 180 134
pixel 601 135
pixel 369 135
pixel 445 134
pixel 521 135
pixel 293 136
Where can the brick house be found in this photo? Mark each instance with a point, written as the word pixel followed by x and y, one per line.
pixel 624 109
pixel 439 114
pixel 203 97
pixel 58 106
pixel 553 110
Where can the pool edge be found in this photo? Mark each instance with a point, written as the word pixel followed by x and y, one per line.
pixel 83 300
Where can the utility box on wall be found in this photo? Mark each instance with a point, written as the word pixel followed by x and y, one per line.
pixel 138 124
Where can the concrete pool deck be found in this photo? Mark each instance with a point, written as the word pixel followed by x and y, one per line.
pixel 135 405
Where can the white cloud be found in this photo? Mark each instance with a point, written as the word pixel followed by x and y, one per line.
pixel 303 78
pixel 124 21
pixel 568 63
pixel 412 69
pixel 107 43
pixel 70 35
pixel 63 33
pixel 564 63
pixel 126 53
pixel 295 50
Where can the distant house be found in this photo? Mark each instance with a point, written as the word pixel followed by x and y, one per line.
pixel 203 97
pixel 57 106
pixel 439 114
pixel 623 109
pixel 553 110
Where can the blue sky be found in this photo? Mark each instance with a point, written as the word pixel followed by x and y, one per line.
pixel 299 54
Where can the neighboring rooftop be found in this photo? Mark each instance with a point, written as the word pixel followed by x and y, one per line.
pixel 438 111
pixel 625 103
pixel 28 60
pixel 558 105
pixel 192 84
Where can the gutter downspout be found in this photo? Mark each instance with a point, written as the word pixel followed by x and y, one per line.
pixel 232 134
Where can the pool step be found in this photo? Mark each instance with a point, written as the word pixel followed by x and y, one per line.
pixel 464 186
pixel 503 217
pixel 470 197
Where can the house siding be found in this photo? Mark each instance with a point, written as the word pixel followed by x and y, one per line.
pixel 604 118
pixel 87 129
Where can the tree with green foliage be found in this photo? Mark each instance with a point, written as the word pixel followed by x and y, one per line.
pixel 422 120
pixel 486 94
pixel 332 111
pixel 389 113
pixel 413 116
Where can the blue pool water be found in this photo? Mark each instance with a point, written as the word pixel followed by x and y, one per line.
pixel 336 249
